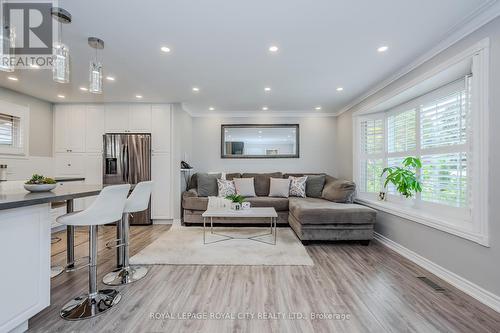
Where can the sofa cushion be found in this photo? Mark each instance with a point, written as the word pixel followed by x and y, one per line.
pixel 314 185
pixel 279 188
pixel 195 203
pixel 207 184
pixel 337 190
pixel 262 181
pixel 193 180
pixel 245 187
pixel 320 211
pixel 280 204
pixel 298 186
pixel 225 187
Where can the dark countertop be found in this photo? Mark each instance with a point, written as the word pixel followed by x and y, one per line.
pixel 13 194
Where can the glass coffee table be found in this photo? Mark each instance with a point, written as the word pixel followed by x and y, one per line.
pixel 255 212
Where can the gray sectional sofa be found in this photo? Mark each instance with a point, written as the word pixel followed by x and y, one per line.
pixel 329 216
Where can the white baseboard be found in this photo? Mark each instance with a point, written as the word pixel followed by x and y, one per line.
pixel 471 289
pixel 163 221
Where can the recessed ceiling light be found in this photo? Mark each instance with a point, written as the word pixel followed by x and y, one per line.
pixel 260 132
pixel 165 49
pixel 265 108
pixel 211 108
pixel 12 78
pixel 273 48
pixel 61 96
pixel 110 78
pixel 196 89
pixel 340 89
pixel 84 89
pixel 317 108
pixel 383 48
pixel 138 96
pixel 267 89
pixel 34 66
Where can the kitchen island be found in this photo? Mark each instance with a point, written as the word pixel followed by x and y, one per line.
pixel 25 238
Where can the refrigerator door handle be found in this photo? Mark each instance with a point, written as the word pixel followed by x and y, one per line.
pixel 123 163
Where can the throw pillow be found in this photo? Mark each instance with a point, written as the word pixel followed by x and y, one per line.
pixel 244 187
pixel 207 184
pixel 298 186
pixel 314 185
pixel 279 188
pixel 338 190
pixel 226 187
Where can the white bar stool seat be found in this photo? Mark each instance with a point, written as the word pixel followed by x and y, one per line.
pixel 125 273
pixel 107 208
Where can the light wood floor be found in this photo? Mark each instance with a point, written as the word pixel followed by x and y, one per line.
pixel 376 287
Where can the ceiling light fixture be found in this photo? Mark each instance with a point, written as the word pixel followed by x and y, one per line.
pixel 84 89
pixel 317 108
pixel 196 89
pixel 211 108
pixel 34 66
pixel 165 49
pixel 265 108
pixel 60 67
pixel 382 48
pixel 138 96
pixel 110 78
pixel 95 70
pixel 61 96
pixel 267 89
pixel 340 89
pixel 273 48
pixel 12 78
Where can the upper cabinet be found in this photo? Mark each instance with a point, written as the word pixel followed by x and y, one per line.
pixel 160 128
pixel 127 118
pixel 69 132
pixel 94 128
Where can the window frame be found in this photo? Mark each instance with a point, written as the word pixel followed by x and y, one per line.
pixel 22 113
pixel 474 226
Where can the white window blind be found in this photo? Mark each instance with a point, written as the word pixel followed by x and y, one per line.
pixel 9 130
pixel 434 127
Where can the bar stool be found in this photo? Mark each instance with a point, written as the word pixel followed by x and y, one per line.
pixel 124 273
pixel 107 208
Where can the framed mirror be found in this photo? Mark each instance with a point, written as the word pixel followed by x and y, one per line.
pixel 260 141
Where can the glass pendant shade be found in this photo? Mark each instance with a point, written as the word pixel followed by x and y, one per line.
pixel 60 66
pixel 95 77
pixel 7 38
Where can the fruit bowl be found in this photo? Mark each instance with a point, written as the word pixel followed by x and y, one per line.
pixel 39 187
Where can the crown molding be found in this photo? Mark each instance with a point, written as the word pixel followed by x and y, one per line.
pixel 478 18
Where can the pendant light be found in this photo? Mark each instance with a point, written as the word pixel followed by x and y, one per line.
pixel 95 70
pixel 7 39
pixel 60 65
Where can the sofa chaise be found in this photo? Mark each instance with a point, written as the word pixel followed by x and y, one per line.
pixel 330 215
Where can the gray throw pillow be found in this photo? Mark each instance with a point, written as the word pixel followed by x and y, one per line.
pixel 279 188
pixel 314 185
pixel 207 184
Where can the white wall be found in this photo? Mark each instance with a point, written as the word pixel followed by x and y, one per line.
pixel 39 159
pixel 317 146
pixel 474 262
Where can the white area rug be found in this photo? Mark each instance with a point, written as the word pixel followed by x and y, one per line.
pixel 184 246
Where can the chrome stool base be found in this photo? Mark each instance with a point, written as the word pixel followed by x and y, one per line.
pixel 55 271
pixel 85 306
pixel 125 275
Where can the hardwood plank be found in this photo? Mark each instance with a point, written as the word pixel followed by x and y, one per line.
pixel 375 286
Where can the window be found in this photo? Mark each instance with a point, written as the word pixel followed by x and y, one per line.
pixel 441 117
pixel 13 136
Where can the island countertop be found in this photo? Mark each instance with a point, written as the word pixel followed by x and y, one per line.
pixel 13 194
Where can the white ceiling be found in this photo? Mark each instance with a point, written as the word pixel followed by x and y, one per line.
pixel 221 46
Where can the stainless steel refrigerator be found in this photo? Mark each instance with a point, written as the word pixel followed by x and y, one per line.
pixel 127 160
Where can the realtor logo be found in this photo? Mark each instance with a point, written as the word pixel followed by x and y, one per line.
pixel 28 27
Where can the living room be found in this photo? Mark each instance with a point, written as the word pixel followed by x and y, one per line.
pixel 256 166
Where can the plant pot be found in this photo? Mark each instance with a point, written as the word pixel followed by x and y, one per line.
pixel 235 206
pixel 382 196
pixel 39 187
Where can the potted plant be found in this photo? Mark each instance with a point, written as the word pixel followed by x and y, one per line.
pixel 39 183
pixel 403 178
pixel 236 201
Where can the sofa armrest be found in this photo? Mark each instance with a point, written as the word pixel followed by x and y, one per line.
pixel 190 194
pixel 338 190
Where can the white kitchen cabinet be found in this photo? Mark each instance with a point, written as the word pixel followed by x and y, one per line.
pixel 94 128
pixel 116 118
pixel 160 128
pixel 161 205
pixel 69 132
pixel 69 164
pixel 140 118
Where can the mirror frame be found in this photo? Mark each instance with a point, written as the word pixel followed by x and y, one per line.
pixel 294 126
